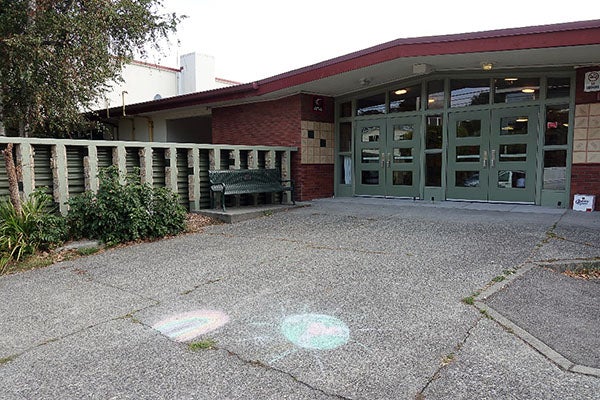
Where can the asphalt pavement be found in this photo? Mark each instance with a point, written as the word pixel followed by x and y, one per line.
pixel 348 298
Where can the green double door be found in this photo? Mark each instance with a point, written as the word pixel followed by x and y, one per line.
pixel 492 155
pixel 387 157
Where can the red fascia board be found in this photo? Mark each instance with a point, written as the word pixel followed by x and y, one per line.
pixel 222 94
pixel 537 37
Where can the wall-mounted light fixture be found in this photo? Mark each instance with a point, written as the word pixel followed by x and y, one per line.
pixel 528 90
pixel 364 81
pixel 487 65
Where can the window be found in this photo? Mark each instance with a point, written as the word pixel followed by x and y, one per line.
pixel 371 105
pixel 405 99
pixel 514 90
pixel 469 92
pixel 435 95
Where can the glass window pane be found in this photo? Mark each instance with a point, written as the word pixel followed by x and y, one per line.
pixel 369 156
pixel 346 170
pixel 403 155
pixel 468 128
pixel 555 169
pixel 371 105
pixel 467 179
pixel 370 134
pixel 345 136
pixel 402 178
pixel 467 153
pixel 435 95
pixel 403 132
pixel 370 177
pixel 514 125
pixel 433 138
pixel 433 169
pixel 405 99
pixel 469 92
pixel 514 90
pixel 559 87
pixel 511 179
pixel 513 152
pixel 557 124
pixel 346 109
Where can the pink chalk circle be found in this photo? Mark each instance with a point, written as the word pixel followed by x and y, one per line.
pixel 187 326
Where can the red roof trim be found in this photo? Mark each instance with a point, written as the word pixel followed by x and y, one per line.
pixel 534 37
pixel 544 36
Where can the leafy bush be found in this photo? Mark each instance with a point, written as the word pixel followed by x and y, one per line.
pixel 37 227
pixel 119 213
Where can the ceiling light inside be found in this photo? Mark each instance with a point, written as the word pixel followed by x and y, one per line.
pixel 528 90
pixel 401 91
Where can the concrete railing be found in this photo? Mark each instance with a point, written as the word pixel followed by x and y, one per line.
pixel 68 167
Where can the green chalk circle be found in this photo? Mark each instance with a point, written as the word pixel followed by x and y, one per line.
pixel 315 331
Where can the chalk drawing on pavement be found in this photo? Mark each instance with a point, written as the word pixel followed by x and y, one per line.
pixel 189 325
pixel 315 331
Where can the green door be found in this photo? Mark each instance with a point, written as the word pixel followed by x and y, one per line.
pixel 387 155
pixel 513 150
pixel 370 147
pixel 492 155
pixel 468 155
pixel 402 157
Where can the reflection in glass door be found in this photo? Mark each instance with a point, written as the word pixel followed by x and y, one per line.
pixel 493 161
pixel 370 148
pixel 387 154
pixel 402 157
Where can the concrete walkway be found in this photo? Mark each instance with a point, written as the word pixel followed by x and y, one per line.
pixel 349 298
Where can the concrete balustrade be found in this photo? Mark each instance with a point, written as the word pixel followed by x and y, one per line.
pixel 185 165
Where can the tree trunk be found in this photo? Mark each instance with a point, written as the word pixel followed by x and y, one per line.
pixel 13 183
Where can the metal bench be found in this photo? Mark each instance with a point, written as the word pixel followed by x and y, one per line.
pixel 247 181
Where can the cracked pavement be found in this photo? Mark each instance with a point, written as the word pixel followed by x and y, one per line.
pixel 348 299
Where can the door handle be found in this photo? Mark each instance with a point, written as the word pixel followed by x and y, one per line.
pixel 382 160
pixel 493 160
pixel 389 159
pixel 485 159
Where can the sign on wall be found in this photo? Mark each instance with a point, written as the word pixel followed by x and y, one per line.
pixel 592 81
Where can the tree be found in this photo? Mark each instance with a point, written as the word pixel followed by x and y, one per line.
pixel 58 56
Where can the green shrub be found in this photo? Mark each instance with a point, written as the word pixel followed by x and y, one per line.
pixel 37 227
pixel 120 213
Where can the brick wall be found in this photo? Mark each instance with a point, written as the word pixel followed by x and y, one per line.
pixel 269 123
pixel 585 179
pixel 278 123
pixel 585 170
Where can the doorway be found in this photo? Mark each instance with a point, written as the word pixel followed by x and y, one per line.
pixel 492 155
pixel 388 157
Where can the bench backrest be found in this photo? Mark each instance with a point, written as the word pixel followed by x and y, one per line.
pixel 246 178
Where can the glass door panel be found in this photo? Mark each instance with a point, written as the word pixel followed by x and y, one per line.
pixel 513 150
pixel 402 157
pixel 370 152
pixel 468 155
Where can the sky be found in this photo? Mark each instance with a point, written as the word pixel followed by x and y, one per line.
pixel 255 39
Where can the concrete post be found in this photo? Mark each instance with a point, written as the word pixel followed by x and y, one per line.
pixel 90 169
pixel 214 159
pixel 120 160
pixel 286 168
pixel 60 178
pixel 25 168
pixel 146 166
pixel 171 168
pixel 194 179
